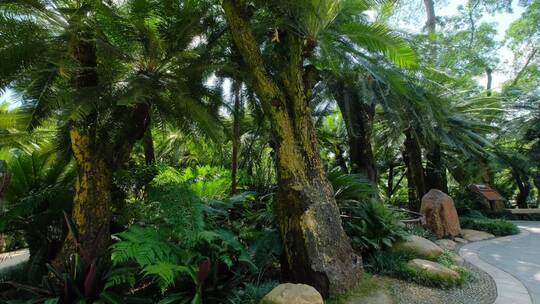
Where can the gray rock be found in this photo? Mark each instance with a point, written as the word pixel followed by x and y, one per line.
pixel 475 235
pixel 446 244
pixel 460 240
pixel 458 260
pixel 289 293
pixel 419 247
pixel 434 269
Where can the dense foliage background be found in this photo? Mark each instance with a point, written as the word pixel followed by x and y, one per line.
pixel 148 121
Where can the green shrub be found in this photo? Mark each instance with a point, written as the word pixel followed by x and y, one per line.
pixel 370 225
pixel 186 233
pixel 496 227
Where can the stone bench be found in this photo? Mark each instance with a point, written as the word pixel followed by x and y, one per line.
pixel 523 211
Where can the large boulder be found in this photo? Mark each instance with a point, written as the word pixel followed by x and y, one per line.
pixel 440 212
pixel 289 293
pixel 419 247
pixel 434 270
pixel 475 235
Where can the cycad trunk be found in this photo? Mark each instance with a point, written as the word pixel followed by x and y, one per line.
pixel 358 117
pixel 92 200
pixel 435 171
pixel 316 249
pixel 148 146
pixel 96 161
pixel 412 156
pixel 524 189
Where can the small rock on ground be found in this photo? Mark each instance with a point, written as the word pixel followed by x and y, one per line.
pixel 460 240
pixel 434 269
pixel 446 244
pixel 458 260
pixel 418 246
pixel 475 235
pixel 292 293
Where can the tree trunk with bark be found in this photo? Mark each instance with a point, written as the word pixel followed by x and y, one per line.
pixel 148 146
pixel 524 189
pixel 358 117
pixel 431 17
pixel 412 156
pixel 340 159
pixel 96 161
pixel 237 86
pixel 92 200
pixel 435 170
pixel 390 181
pixel 489 75
pixel 537 185
pixel 316 249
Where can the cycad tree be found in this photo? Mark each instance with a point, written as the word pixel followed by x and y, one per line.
pixel 316 249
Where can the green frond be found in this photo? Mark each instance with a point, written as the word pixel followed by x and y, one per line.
pixel 378 38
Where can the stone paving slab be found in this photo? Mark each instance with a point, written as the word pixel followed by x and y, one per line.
pixel 513 262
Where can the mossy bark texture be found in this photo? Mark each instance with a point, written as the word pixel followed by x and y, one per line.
pixel 92 200
pixel 97 154
pixel 316 249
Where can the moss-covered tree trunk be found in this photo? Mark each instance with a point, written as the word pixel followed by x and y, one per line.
pixel 92 200
pixel 96 160
pixel 316 249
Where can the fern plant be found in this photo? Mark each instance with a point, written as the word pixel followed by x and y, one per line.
pixel 370 225
pixel 174 249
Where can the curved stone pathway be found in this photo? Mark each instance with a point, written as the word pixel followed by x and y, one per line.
pixel 13 258
pixel 513 262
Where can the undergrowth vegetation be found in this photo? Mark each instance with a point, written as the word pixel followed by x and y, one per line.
pixel 202 151
pixel 497 227
pixel 396 265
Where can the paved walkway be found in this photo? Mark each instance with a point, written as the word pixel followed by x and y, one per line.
pixel 513 262
pixel 9 259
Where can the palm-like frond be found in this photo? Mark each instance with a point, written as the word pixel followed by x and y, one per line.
pixel 378 38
